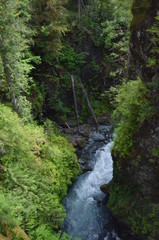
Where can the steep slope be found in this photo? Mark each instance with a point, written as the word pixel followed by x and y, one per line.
pixel 36 169
pixel 134 195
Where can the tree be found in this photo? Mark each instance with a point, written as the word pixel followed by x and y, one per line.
pixel 16 37
pixel 49 19
pixel 50 22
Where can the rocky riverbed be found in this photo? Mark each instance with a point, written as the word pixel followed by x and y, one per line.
pixel 87 142
pixel 87 138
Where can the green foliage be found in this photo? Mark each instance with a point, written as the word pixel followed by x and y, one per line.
pixel 146 221
pixel 107 24
pixel 71 60
pixel 126 202
pixel 56 104
pixel 132 107
pixel 115 32
pixel 142 217
pixel 6 211
pixel 15 54
pixel 121 200
pixel 37 98
pixel 50 21
pixel 37 169
pixel 67 45
pixel 45 233
pixel 155 152
pixel 154 32
pixel 100 108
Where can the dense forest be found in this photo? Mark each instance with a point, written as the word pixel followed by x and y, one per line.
pixel 109 50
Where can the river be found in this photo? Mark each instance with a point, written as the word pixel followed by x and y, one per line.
pixel 87 212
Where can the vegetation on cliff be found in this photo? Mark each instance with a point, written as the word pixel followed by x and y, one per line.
pixel 132 108
pixel 36 169
pixel 133 192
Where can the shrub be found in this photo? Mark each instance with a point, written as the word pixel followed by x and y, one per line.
pixel 132 107
pixel 36 169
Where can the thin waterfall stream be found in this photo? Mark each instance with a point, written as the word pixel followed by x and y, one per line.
pixel 87 214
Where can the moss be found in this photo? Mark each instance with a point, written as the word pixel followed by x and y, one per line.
pixel 140 213
pixel 139 6
pixel 141 216
pixel 145 221
pixel 81 143
pixel 155 152
pixel 140 9
pixel 152 161
pixel 154 155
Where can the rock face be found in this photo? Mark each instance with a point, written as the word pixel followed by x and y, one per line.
pixel 141 45
pixel 79 139
pixel 134 192
pixel 87 141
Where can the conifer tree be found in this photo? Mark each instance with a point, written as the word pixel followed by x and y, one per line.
pixel 16 36
pixel 49 19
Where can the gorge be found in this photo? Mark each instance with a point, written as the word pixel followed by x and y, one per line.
pixel 64 63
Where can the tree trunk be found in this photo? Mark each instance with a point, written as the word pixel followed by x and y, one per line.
pixel 79 10
pixel 88 102
pixel 128 67
pixel 75 100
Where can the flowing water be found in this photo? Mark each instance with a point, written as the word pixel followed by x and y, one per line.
pixel 87 213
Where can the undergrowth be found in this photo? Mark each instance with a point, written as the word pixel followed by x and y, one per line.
pixel 36 169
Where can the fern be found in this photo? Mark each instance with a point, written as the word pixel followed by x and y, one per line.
pixel 37 170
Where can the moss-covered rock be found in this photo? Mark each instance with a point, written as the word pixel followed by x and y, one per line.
pixel 140 9
pixel 105 188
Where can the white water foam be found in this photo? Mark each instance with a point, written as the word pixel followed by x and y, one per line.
pixel 87 216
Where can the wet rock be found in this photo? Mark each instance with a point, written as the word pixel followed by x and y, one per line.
pixel 104 120
pixel 84 164
pixel 97 136
pixel 106 141
pixel 105 188
pixel 72 140
pixel 103 132
pixel 87 141
pixel 81 142
pixel 120 231
pixel 81 161
pixel 105 128
pixel 86 168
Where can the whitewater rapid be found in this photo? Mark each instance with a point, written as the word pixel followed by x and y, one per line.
pixel 87 214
